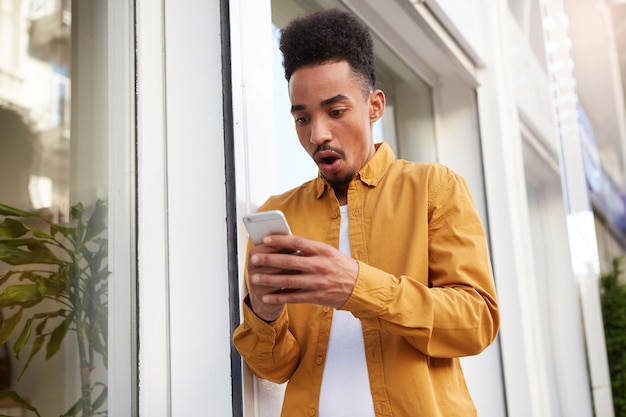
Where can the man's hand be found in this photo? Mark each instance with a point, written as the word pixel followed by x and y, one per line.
pixel 290 269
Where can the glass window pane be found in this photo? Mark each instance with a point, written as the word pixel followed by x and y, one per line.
pixel 54 197
pixel 408 122
pixel 294 165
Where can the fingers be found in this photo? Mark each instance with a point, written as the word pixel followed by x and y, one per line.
pixel 305 290
pixel 291 244
pixel 275 282
pixel 277 251
pixel 290 269
pixel 279 263
pixel 261 252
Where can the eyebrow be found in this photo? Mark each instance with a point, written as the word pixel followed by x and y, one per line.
pixel 326 102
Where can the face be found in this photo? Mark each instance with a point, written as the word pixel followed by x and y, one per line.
pixel 334 119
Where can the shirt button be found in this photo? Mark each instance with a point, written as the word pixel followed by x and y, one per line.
pixel 311 412
pixel 319 360
pixel 355 213
pixel 334 215
pixel 326 309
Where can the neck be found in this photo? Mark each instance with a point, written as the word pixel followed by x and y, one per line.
pixel 342 195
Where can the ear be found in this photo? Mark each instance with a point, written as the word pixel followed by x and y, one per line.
pixel 377 105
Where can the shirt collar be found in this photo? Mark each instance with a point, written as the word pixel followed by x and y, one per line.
pixel 371 173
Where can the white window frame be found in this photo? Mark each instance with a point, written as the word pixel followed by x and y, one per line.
pixel 184 324
pixel 122 374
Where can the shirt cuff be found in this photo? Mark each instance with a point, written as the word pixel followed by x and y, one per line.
pixel 260 326
pixel 372 291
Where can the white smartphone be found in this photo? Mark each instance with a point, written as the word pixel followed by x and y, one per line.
pixel 265 223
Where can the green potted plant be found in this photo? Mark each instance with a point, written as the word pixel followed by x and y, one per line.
pixel 613 298
pixel 65 263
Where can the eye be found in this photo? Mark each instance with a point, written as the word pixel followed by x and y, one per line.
pixel 336 112
pixel 300 120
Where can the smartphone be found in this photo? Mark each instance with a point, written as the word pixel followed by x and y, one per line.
pixel 265 223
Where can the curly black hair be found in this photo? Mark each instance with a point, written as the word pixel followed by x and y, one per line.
pixel 330 35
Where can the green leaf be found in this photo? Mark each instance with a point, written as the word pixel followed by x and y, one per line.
pixel 11 229
pixel 50 288
pixel 75 409
pixel 76 212
pixel 14 212
pixel 41 326
pixel 57 228
pixel 97 258
pixel 16 398
pixel 97 221
pixel 42 252
pixel 13 252
pixel 613 301
pixel 19 294
pixel 100 400
pixel 56 338
pixel 61 276
pixel 23 338
pixel 31 276
pixel 98 278
pixel 97 330
pixel 46 316
pixel 87 255
pixel 37 344
pixel 41 234
pixel 8 325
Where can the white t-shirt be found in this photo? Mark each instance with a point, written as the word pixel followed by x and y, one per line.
pixel 345 388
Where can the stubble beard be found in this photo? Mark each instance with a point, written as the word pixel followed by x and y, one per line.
pixel 340 184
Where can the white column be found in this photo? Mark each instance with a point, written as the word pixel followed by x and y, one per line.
pixel 183 263
pixel 585 261
pixel 122 236
pixel 199 320
pixel 152 245
pixel 523 359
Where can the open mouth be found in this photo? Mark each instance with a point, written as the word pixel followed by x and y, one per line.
pixel 329 162
pixel 326 157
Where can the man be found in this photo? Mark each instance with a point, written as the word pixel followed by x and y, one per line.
pixel 387 280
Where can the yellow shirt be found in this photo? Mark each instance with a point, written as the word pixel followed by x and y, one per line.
pixel 424 294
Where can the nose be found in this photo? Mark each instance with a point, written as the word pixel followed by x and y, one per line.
pixel 320 131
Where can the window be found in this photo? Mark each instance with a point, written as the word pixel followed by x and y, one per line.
pixel 551 283
pixel 528 15
pixel 60 248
